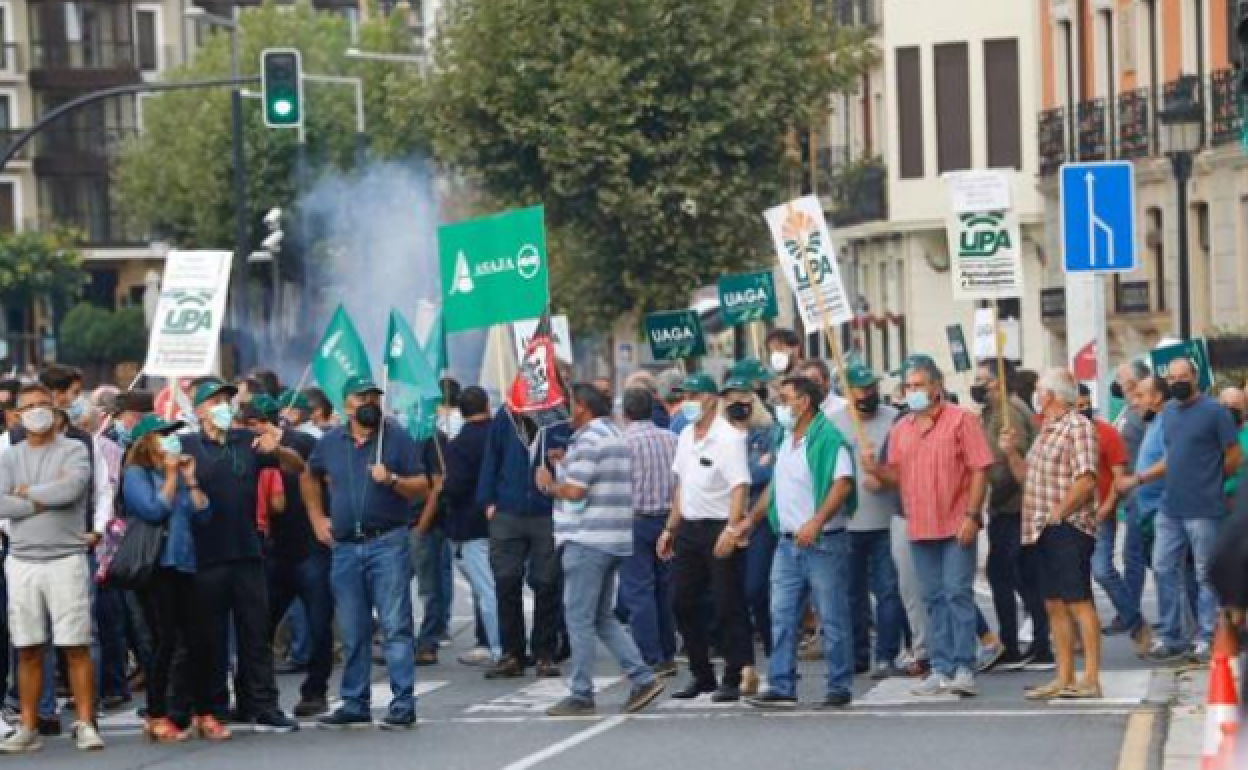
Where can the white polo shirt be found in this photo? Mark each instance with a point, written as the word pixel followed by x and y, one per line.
pixel 795 488
pixel 708 470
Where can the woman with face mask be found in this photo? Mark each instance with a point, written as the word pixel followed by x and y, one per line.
pixel 159 487
pixel 747 413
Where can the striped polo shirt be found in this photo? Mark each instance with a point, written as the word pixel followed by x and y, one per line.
pixel 600 462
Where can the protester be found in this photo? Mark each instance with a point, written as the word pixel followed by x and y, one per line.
pixel 44 484
pixel 450 418
pixel 939 458
pixel 1201 452
pixel 1132 427
pixel 322 417
pixel 231 583
pixel 522 539
pixel 670 398
pixel 703 537
pixel 872 573
pixel 594 529
pixel 160 488
pixel 466 525
pixel 645 579
pixel 784 349
pixel 375 471
pixel 1059 477
pixel 818 372
pixel 1237 404
pixel 431 554
pixel 809 503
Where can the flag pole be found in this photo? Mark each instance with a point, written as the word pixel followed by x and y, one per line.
pixel 303 380
pixel 500 337
pixel 756 334
pixel 385 393
pixel 135 381
pixel 999 343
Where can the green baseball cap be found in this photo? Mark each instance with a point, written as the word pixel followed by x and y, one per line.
pixel 211 388
pixel 293 399
pixel 360 385
pixel 751 370
pixel 738 384
pixel 861 377
pixel 913 360
pixel 265 406
pixel 154 423
pixel 699 383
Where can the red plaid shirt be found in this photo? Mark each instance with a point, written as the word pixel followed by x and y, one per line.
pixel 1066 449
pixel 934 462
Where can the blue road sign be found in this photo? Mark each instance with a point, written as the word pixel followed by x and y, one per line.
pixel 1098 217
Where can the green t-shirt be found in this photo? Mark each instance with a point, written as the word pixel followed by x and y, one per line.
pixel 1232 484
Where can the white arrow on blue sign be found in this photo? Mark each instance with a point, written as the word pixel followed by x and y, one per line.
pixel 1098 217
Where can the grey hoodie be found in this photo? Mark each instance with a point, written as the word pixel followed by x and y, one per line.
pixel 56 476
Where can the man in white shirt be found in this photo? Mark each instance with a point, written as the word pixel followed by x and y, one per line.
pixel 816 370
pixel 704 535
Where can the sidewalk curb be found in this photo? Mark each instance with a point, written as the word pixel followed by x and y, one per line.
pixel 1185 728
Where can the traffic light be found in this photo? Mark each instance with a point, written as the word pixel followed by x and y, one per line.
pixel 282 69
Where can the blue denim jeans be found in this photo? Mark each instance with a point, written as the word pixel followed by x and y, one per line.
pixel 589 612
pixel 758 557
pixel 646 593
pixel 375 575
pixel 297 624
pixel 946 572
pixel 427 565
pixel 871 573
pixel 820 573
pixel 1135 553
pixel 110 619
pixel 1175 536
pixel 473 559
pixel 1110 580
pixel 306 585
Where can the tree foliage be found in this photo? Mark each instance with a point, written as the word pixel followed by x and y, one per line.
pixel 92 335
pixel 177 177
pixel 40 265
pixel 654 131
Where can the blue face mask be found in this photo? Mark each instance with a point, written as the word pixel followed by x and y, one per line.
pixel 222 416
pixel 918 401
pixel 171 444
pixel 692 410
pixel 77 409
pixel 785 416
pixel 123 434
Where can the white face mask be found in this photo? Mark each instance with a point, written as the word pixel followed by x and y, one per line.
pixel 786 417
pixel 780 361
pixel 38 420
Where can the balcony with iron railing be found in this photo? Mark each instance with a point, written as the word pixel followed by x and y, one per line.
pixel 78 149
pixel 1129 128
pixel 99 228
pixel 859 193
pixel 83 65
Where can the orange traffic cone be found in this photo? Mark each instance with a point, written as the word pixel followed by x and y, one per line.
pixel 1222 711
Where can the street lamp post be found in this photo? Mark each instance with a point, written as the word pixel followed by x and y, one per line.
pixel 1184 125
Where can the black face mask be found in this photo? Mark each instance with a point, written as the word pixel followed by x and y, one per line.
pixel 1150 415
pixel 868 404
pixel 1181 391
pixel 979 394
pixel 1238 414
pixel 1089 413
pixel 739 412
pixel 368 416
pixel 1115 390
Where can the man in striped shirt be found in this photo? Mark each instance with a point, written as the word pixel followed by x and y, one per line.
pixel 645 579
pixel 594 526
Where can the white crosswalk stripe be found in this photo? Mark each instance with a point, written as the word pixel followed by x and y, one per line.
pixel 535 698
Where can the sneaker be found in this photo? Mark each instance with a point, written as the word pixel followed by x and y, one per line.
pixel 1142 637
pixel 642 696
pixel 86 737
pixel 989 656
pixel 398 720
pixel 1041 661
pixel 477 656
pixel 22 741
pixel 935 684
pixel 1013 661
pixel 1200 653
pixel 836 700
pixel 345 720
pixel 311 707
pixel 507 668
pixel 1116 628
pixel 693 689
pixel 884 671
pixel 1164 653
pixel 572 706
pixel 918 669
pixel 772 701
pixel 427 657
pixel 963 684
pixel 666 670
pixel 727 693
pixel 275 721
pixel 209 728
pixel 548 670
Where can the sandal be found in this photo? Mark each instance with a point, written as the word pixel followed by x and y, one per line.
pixel 163 730
pixel 210 729
pixel 1082 691
pixel 1048 691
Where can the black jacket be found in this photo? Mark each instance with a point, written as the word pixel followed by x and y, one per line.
pixel 465 517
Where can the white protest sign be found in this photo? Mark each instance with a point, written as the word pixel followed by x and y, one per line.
pixel 1011 336
pixel 985 242
pixel 186 330
pixel 808 260
pixel 559 329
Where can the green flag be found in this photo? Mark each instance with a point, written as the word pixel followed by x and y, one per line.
pixel 340 356
pixel 434 346
pixel 493 269
pixel 412 382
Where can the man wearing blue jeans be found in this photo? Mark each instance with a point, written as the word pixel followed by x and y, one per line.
pixel 594 528
pixel 1132 425
pixel 1202 450
pixel 375 478
pixel 645 579
pixel 811 497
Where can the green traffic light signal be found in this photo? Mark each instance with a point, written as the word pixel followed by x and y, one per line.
pixel 281 70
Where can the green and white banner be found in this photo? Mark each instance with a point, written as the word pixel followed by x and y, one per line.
pixel 340 356
pixel 985 243
pixel 748 297
pixel 494 270
pixel 186 330
pixel 674 335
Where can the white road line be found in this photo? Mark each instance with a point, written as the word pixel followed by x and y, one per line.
pixel 537 697
pixel 571 741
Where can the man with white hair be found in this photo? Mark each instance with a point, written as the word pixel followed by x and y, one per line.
pixel 1236 403
pixel 1059 518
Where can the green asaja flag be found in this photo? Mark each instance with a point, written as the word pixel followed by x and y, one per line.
pixel 493 269
pixel 339 357
pixel 434 346
pixel 412 381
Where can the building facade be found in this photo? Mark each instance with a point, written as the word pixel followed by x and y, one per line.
pixel 950 92
pixel 1113 72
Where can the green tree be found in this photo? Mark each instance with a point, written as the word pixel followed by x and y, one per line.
pixel 177 178
pixel 654 131
pixel 39 266
pixel 92 336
